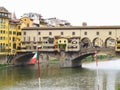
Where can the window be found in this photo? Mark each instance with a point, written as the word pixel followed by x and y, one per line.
pixel 110 33
pixel 60 41
pixel 64 41
pixel 24 33
pixel 97 33
pixel 24 39
pixel 50 33
pixel 18 27
pixel 85 33
pixel 28 25
pixel 9 38
pixel 28 38
pixel 62 33
pixel 33 38
pixel 73 33
pixel 13 39
pixel 3 14
pixel 10 32
pixel 6 15
pixel 14 33
pixel 3 32
pixel 18 33
pixel 39 33
pixel 74 42
pixel 39 38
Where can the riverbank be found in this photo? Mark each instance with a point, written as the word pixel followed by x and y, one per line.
pixel 4 65
pixel 100 57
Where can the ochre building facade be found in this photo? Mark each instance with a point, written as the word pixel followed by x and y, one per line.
pixel 10 33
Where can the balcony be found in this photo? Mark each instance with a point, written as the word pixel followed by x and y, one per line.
pixel 48 45
pixel 47 49
pixel 73 48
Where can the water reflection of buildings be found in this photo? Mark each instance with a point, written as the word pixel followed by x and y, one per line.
pixel 11 77
pixel 109 74
pixel 107 80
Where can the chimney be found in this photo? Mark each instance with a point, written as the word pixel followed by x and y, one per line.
pixel 84 24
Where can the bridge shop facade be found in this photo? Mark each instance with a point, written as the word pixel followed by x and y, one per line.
pixel 75 37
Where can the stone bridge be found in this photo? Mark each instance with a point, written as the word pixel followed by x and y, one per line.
pixel 67 59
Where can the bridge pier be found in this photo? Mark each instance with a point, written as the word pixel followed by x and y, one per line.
pixel 6 59
pixel 44 58
pixel 69 63
pixel 66 60
pixel 77 63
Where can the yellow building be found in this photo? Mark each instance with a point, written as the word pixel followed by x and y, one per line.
pixel 63 42
pixel 10 37
pixel 26 22
pixel 32 20
pixel 14 36
pixel 117 45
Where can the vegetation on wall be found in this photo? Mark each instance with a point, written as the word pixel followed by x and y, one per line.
pixel 62 45
pixel 99 57
pixel 3 65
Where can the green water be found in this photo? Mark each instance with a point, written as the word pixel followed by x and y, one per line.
pixel 55 78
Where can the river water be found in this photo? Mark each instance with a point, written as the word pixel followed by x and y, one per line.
pixel 106 76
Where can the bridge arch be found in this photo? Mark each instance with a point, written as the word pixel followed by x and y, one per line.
pixel 22 59
pixel 97 42
pixel 85 42
pixel 109 42
pixel 77 61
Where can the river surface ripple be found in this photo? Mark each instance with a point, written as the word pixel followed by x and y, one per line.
pixel 106 75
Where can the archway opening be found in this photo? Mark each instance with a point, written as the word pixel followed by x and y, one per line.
pixel 110 42
pixel 85 43
pixel 97 42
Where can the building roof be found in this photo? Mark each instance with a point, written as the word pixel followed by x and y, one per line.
pixel 15 21
pixel 2 9
pixel 71 27
pixel 31 15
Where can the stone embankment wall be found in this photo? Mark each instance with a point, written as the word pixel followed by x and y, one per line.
pixel 3 59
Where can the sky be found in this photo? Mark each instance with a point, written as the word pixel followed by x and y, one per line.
pixel 93 12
